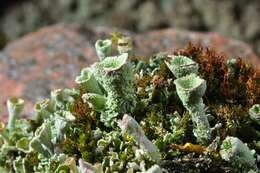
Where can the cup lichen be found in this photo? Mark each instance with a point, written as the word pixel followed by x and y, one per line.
pixel 88 82
pixel 181 66
pixel 190 89
pixel 236 152
pixel 254 113
pixel 15 107
pixel 133 116
pixel 116 77
pixel 103 48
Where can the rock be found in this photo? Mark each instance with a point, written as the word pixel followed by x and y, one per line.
pixel 149 17
pixel 172 39
pixel 50 58
pixel 39 62
pixel 239 19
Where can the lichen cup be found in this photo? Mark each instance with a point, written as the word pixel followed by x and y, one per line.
pixel 96 101
pixel 42 110
pixel 88 82
pixel 181 66
pixel 103 48
pixel 114 63
pixel 15 107
pixel 41 142
pixel 190 88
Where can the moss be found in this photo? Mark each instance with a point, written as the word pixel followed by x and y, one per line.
pixel 81 128
pixel 240 88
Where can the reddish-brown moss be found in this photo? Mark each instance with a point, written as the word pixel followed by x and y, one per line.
pixel 242 87
pixel 80 109
pixel 158 81
pixel 84 114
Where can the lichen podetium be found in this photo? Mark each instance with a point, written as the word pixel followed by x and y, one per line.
pixel 190 111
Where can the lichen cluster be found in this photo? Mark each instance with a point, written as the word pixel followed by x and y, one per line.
pixel 189 111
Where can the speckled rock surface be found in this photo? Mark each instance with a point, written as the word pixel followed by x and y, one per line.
pixel 233 18
pixel 51 58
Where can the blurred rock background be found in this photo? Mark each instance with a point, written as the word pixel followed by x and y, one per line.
pixel 238 19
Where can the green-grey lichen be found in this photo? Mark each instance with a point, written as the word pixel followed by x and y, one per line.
pixel 237 153
pixel 15 107
pixel 103 48
pixel 131 127
pixel 116 77
pixel 41 142
pixel 23 144
pixel 133 116
pixel 96 101
pixel 88 82
pixel 181 66
pixel 190 89
pixel 42 110
pixel 254 113
pixel 154 169
pixel 63 98
pixel 86 167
